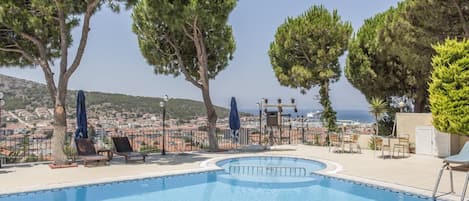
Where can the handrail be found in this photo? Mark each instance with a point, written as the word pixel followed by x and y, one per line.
pixel 252 170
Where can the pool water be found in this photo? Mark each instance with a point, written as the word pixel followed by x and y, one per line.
pixel 220 186
pixel 273 161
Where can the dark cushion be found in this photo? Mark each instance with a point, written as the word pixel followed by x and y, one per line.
pixel 85 147
pixel 122 144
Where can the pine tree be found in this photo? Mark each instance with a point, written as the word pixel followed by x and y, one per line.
pixel 191 38
pixel 391 54
pixel 35 33
pixel 305 54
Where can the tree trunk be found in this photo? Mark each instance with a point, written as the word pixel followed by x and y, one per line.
pixel 328 115
pixel 377 124
pixel 60 129
pixel 462 18
pixel 211 120
pixel 202 60
pixel 420 101
pixel 376 134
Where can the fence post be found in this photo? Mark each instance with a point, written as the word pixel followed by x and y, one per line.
pixel 192 140
pixel 303 134
pixel 247 135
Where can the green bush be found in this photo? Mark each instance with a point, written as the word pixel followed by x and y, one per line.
pixel 187 139
pixel 316 139
pixel 31 158
pixel 449 87
pixel 71 152
pixel 148 149
pixel 372 142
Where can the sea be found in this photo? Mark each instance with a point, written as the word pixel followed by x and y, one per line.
pixel 361 116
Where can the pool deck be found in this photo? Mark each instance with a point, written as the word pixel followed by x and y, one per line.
pixel 415 174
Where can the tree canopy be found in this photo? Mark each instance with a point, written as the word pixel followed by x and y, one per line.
pixel 305 53
pixel 391 53
pixel 38 32
pixel 369 68
pixel 190 38
pixel 449 87
pixel 164 30
pixel 25 25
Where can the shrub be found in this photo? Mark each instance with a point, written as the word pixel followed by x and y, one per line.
pixel 449 87
pixel 148 149
pixel 372 142
pixel 31 158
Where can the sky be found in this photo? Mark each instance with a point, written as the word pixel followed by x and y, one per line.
pixel 113 63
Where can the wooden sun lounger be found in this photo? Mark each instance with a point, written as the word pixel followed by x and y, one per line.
pixel 87 152
pixel 123 148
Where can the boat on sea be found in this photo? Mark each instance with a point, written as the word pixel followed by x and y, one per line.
pixel 314 115
pixel 347 122
pixel 315 118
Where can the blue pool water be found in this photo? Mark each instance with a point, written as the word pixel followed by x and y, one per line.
pixel 273 161
pixel 220 186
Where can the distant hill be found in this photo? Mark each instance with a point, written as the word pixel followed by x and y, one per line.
pixel 25 94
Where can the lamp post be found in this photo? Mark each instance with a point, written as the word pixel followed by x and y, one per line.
pixel 259 106
pixel 163 105
pixel 302 129
pixel 2 103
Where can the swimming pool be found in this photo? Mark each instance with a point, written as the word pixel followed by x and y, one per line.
pixel 220 185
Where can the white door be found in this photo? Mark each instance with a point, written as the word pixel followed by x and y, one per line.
pixel 424 140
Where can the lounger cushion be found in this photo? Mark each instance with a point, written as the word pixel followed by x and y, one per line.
pixel 85 147
pixel 122 144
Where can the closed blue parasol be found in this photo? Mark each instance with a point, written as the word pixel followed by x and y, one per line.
pixel 235 123
pixel 82 122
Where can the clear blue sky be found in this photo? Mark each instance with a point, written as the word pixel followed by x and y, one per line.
pixel 113 63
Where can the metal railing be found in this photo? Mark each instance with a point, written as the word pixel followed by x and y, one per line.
pixel 253 170
pixel 33 147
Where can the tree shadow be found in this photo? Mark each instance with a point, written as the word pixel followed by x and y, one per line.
pixel 176 159
pixel 5 171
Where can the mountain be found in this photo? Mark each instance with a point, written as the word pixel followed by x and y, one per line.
pixel 25 94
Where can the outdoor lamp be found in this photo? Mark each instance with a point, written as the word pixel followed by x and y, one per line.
pixel 401 105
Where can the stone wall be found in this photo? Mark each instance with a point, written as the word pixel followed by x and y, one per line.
pixel 407 122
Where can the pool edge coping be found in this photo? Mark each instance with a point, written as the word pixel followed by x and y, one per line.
pixel 335 173
pixel 209 165
pixel 47 187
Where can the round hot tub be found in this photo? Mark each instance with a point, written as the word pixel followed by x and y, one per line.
pixel 269 171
